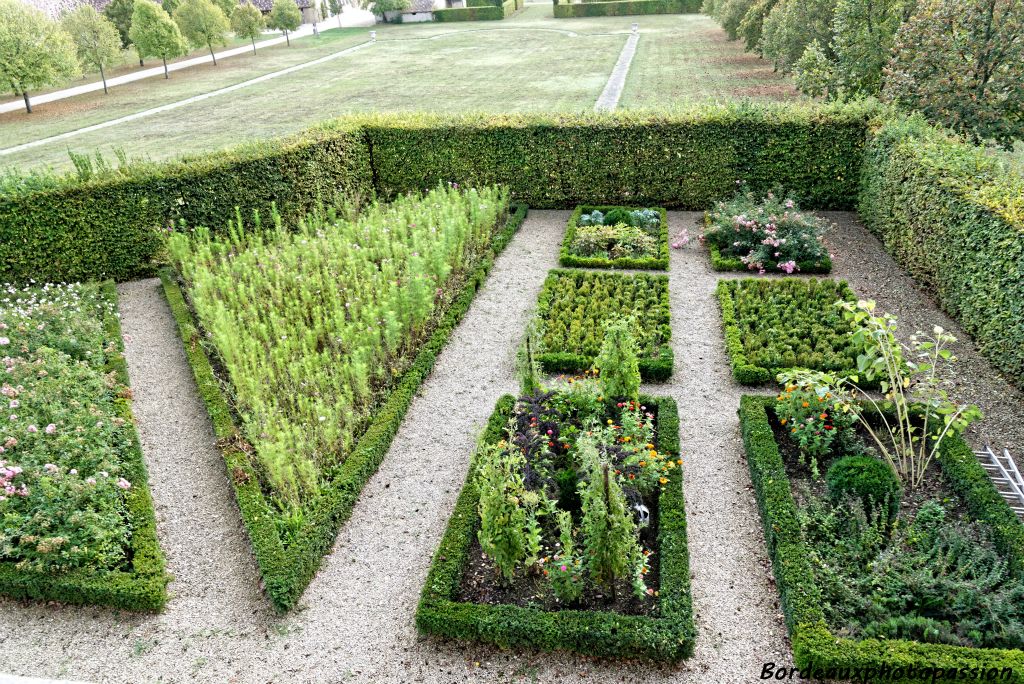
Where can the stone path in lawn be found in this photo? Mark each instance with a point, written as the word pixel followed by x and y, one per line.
pixel 355 622
pixel 609 98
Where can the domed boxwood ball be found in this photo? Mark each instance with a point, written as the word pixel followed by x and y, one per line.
pixel 866 477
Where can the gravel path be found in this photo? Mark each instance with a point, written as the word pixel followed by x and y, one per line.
pixel 355 622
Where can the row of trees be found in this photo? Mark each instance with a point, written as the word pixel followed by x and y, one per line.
pixel 960 62
pixel 36 52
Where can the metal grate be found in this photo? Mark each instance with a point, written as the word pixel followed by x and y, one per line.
pixel 1006 475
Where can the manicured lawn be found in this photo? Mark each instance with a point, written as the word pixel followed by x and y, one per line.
pixel 531 62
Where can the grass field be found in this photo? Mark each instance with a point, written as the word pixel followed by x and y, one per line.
pixel 531 62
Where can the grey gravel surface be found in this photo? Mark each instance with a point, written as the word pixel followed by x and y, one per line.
pixel 355 622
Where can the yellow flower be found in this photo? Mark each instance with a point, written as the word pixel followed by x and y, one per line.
pixel 649 446
pixel 679 461
pixel 663 480
pixel 783 421
pixel 642 463
pixel 609 421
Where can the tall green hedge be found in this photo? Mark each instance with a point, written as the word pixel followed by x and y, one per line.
pixel 625 8
pixel 479 10
pixel 954 218
pixel 109 226
pixel 684 160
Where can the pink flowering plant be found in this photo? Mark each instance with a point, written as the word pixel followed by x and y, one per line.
pixel 769 235
pixel 62 441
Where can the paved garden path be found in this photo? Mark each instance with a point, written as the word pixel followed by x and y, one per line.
pixel 609 98
pixel 355 622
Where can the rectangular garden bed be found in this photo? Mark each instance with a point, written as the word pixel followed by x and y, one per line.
pixel 77 381
pixel 289 561
pixel 776 324
pixel 574 306
pixel 642 246
pixel 818 651
pixel 663 630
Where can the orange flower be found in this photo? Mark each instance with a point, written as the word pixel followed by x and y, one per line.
pixel 823 416
pixel 783 421
pixel 805 404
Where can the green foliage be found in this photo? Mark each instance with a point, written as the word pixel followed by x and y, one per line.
pixel 771 325
pixel 791 26
pixel 666 636
pixel 961 64
pixel 866 478
pixel 622 8
pixel 35 52
pixel 810 421
pixel 339 321
pixel 566 572
pixel 813 643
pixel 247 22
pixel 952 217
pixel 202 22
pixel 730 14
pixel 227 6
pixel 592 238
pixel 616 364
pixel 485 12
pixel 284 16
pixel 154 33
pixel 96 38
pixel 502 532
pixel 287 570
pixel 382 6
pixel 76 518
pixel 528 362
pixel 751 26
pixel 574 306
pixel 766 234
pixel 119 12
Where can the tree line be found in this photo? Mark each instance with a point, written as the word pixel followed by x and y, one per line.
pixel 959 62
pixel 37 52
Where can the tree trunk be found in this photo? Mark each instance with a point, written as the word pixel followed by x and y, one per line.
pixel 28 105
pixel 212 56
pixel 339 19
pixel 140 62
pixel 287 39
pixel 166 75
pixel 254 44
pixel 103 78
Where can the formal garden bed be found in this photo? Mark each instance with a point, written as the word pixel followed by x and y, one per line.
pixel 616 237
pixel 776 324
pixel 307 390
pixel 574 306
pixel 77 521
pixel 769 234
pixel 570 531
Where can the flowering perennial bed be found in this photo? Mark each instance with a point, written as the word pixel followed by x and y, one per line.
pixel 76 516
pixel 388 271
pixel 567 616
pixel 777 324
pixel 931 648
pixel 574 306
pixel 616 237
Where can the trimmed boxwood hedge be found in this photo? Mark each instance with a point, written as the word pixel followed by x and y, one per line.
pixel 952 216
pixel 567 258
pixel 287 571
pixel 144 588
pixel 669 636
pixel 657 369
pixel 814 646
pixel 625 8
pixel 479 10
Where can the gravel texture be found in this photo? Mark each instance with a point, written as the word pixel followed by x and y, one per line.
pixel 355 622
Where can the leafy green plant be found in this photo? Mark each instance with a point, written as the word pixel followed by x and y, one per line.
pixel 866 478
pixel 810 421
pixel 503 530
pixel 616 237
pixel 617 366
pixel 566 568
pixel 770 233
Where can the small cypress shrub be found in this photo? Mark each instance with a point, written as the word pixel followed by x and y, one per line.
pixel 617 364
pixel 867 478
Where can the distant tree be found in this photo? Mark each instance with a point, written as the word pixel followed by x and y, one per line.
pixel 752 24
pixel 382 6
pixel 35 51
pixel 227 6
pixel 791 26
pixel 202 23
pixel 285 17
pixel 170 6
pixel 247 22
pixel 119 12
pixel 961 63
pixel 155 34
pixel 730 14
pixel 96 38
pixel 335 6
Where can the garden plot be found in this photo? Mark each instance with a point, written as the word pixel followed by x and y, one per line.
pixel 351 314
pixel 574 307
pixel 78 522
pixel 776 324
pixel 616 237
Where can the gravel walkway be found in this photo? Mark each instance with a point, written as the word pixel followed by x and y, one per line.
pixel 355 622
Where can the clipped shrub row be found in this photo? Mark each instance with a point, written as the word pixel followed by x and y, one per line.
pixel 287 571
pixel 815 648
pixel 625 8
pixel 479 10
pixel 668 636
pixel 573 307
pixel 954 218
pixel 569 259
pixel 143 585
